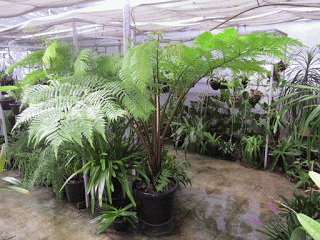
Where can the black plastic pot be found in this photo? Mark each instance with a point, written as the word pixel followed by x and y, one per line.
pixel 155 210
pixel 214 84
pixel 15 107
pixel 120 224
pixel 5 103
pixel 75 192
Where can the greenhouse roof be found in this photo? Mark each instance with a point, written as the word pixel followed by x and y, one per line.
pixel 22 19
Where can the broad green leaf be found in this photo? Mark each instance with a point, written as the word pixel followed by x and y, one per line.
pixel 3 157
pixel 310 225
pixel 298 234
pixel 315 177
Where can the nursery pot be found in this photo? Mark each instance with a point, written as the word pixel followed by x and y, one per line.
pixel 155 210
pixel 15 107
pixel 75 191
pixel 214 84
pixel 5 103
pixel 120 224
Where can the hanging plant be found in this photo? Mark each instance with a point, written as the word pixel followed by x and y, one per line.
pixel 278 68
pixel 216 83
pixel 235 100
pixel 254 96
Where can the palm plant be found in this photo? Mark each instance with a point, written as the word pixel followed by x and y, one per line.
pixel 76 108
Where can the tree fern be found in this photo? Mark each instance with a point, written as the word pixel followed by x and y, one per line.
pixel 148 65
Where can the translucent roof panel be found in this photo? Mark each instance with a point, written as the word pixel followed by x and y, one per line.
pixel 104 19
pixel 14 8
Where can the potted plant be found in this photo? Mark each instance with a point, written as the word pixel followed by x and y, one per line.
pixel 16 95
pixel 108 160
pixel 195 134
pixel 235 100
pixel 278 68
pixel 5 101
pixel 74 188
pixel 119 217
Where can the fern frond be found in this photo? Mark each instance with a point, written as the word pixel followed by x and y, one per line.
pixel 50 53
pixel 69 110
pixel 33 60
pixel 32 78
pixel 163 180
pixel 81 63
pixel 137 65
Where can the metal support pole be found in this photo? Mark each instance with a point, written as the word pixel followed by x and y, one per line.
pixel 74 35
pixel 126 25
pixel 267 138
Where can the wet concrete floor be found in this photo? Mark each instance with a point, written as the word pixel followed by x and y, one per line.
pixel 220 204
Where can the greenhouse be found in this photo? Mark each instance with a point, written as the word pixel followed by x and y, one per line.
pixel 159 119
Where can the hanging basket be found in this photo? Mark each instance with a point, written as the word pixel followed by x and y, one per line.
pixel 278 68
pixel 214 84
pixel 254 96
pixel 236 101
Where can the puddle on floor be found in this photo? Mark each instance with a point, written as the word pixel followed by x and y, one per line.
pixel 218 214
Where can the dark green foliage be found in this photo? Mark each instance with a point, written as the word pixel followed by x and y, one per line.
pixel 308 204
pixel 38 164
pixel 285 222
pixel 252 148
pixel 163 180
pixel 286 152
pixel 194 132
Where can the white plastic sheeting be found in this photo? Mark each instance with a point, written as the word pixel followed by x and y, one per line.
pixel 104 19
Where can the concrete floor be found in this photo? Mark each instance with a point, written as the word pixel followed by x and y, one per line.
pixel 223 197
